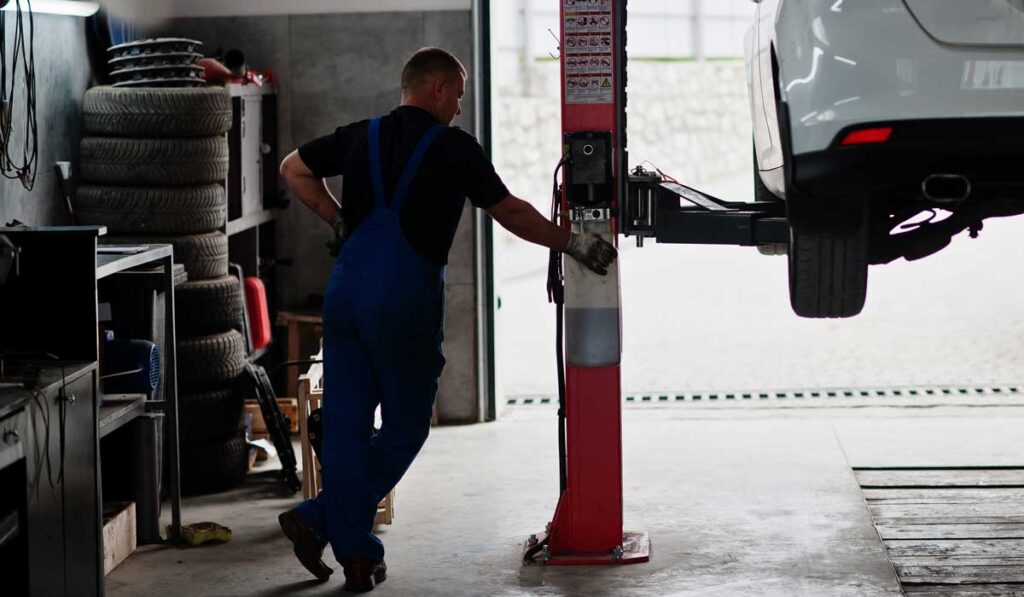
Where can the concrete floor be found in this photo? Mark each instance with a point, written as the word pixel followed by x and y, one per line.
pixel 738 501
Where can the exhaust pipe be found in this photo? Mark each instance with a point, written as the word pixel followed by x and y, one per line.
pixel 946 188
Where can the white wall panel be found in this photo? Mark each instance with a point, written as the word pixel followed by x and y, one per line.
pixel 241 8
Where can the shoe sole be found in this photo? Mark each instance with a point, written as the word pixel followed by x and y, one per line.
pixel 291 530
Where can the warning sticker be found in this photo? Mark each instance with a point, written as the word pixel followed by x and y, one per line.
pixel 588 89
pixel 588 6
pixel 587 45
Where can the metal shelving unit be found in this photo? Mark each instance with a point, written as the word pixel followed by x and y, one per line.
pixel 254 199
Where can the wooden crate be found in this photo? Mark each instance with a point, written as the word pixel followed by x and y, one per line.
pixel 289 407
pixel 304 329
pixel 118 534
pixel 310 389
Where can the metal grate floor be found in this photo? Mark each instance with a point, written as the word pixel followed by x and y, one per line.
pixel 904 395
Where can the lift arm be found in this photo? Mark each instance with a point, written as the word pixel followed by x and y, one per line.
pixel 670 212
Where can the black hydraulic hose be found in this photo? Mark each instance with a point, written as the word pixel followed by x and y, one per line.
pixel 556 295
pixel 294 363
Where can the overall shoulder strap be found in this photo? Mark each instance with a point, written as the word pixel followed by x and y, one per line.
pixel 379 200
pixel 414 164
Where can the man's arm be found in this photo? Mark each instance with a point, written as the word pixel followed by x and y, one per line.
pixel 310 190
pixel 521 219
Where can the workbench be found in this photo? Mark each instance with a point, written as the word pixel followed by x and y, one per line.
pixel 50 315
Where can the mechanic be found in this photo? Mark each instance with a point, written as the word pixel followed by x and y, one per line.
pixel 405 179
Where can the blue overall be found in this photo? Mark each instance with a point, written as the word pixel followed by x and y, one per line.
pixel 383 326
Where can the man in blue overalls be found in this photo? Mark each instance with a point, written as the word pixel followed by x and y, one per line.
pixel 406 178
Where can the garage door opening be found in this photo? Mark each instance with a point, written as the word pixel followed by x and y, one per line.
pixel 714 323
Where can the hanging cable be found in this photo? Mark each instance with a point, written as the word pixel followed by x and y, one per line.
pixel 665 177
pixel 18 102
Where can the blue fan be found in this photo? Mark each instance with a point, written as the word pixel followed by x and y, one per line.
pixel 130 367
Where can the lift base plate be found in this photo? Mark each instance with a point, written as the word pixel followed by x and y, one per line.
pixel 636 549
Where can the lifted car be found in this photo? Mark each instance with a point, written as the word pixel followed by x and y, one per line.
pixel 869 112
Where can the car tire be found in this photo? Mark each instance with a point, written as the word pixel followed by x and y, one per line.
pixel 828 273
pixel 157 111
pixel 152 210
pixel 216 415
pixel 209 306
pixel 211 467
pixel 206 361
pixel 173 162
pixel 204 256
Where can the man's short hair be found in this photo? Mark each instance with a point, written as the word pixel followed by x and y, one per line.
pixel 428 62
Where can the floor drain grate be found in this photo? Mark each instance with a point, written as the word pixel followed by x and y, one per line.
pixel 903 394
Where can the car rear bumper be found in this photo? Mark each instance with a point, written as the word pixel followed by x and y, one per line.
pixel 989 152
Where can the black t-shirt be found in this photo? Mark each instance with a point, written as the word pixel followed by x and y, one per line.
pixel 454 168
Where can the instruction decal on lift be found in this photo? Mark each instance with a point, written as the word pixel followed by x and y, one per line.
pixel 587 44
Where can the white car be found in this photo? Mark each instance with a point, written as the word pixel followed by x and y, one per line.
pixel 869 112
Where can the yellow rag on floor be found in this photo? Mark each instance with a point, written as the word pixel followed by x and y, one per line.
pixel 204 532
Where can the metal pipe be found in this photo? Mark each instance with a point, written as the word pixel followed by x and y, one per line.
pixel 484 228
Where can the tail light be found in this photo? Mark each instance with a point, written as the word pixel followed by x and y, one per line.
pixel 867 136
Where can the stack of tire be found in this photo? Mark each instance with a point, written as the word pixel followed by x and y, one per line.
pixel 153 167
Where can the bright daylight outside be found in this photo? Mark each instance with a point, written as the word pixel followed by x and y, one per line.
pixel 700 320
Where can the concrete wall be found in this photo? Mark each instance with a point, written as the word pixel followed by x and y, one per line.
pixel 220 8
pixel 62 76
pixel 334 69
pixel 672 29
pixel 691 119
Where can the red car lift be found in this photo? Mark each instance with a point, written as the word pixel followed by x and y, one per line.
pixel 587 526
pixel 598 195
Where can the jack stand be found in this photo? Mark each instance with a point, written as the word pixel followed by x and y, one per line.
pixel 587 526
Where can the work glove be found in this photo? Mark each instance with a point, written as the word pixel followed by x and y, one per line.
pixel 595 253
pixel 338 226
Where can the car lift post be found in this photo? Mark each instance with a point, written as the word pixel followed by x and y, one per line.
pixel 587 526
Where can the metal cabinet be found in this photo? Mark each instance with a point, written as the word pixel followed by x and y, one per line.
pixel 83 520
pixel 13 516
pixel 62 489
pixel 245 162
pixel 252 143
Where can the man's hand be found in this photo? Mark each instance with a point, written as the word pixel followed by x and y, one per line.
pixel 595 253
pixel 312 191
pixel 338 225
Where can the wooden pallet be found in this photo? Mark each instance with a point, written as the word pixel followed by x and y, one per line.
pixel 950 531
pixel 310 392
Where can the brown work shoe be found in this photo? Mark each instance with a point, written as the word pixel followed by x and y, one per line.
pixel 308 548
pixel 363 574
